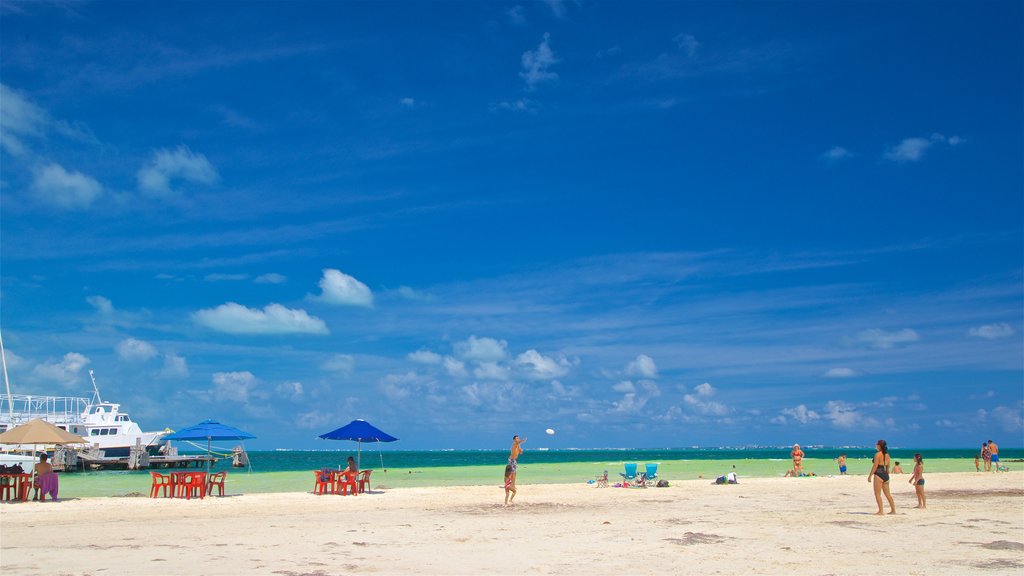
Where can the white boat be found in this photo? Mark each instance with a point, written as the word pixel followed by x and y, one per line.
pixel 101 423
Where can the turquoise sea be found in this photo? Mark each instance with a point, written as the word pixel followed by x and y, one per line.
pixel 291 471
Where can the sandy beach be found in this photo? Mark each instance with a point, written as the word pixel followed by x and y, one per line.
pixel 823 525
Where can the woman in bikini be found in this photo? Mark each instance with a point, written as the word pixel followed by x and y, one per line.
pixel 918 480
pixel 879 476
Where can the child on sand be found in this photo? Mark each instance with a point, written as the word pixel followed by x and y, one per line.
pixel 510 485
pixel 896 468
pixel 917 480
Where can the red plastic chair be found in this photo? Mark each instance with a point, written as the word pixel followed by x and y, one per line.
pixel 324 482
pixel 8 487
pixel 216 481
pixel 190 484
pixel 160 482
pixel 364 481
pixel 346 482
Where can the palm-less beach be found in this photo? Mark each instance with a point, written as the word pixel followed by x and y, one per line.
pixel 974 523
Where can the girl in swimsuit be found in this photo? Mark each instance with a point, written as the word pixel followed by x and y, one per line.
pixel 879 476
pixel 918 480
pixel 510 485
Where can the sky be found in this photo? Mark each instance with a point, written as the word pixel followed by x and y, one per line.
pixel 657 224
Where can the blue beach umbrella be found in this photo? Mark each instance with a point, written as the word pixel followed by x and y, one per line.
pixel 360 431
pixel 209 430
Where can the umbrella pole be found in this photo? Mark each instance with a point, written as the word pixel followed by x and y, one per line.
pixel 359 452
pixel 207 455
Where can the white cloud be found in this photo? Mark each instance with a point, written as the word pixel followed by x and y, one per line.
pixel 846 415
pixel 19 118
pixel 945 423
pixel 635 396
pixel 134 350
pixel 913 149
pixel 801 414
pixel 291 390
pixel 836 153
pixel 624 387
pixel 342 364
pixel 234 386
pixel 840 373
pixel 991 331
pixel 519 105
pixel 702 403
pixel 221 277
pixel 481 349
pixel 643 366
pixel 515 15
pixel 271 278
pixel 174 367
pixel 539 367
pixel 340 288
pixel 155 177
pixel 883 340
pixel 65 372
pixel 687 43
pixel 1010 419
pixel 101 304
pixel 55 186
pixel 536 64
pixel 232 318
pixel 402 386
pixel 491 371
pixel 557 7
pixel 411 294
pixel 425 357
pixel 454 367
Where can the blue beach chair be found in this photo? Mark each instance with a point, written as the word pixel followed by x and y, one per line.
pixel 630 471
pixel 652 471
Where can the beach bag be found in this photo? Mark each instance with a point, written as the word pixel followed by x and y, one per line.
pixel 662 484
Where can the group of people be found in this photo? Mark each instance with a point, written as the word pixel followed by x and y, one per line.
pixel 879 477
pixel 511 468
pixel 989 455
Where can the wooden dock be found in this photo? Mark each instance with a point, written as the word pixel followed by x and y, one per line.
pixel 125 463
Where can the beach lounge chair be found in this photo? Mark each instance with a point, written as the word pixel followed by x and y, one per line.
pixel 652 472
pixel 216 481
pixel 160 482
pixel 602 481
pixel 630 474
pixel 364 481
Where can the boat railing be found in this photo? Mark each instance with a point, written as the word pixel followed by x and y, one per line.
pixel 54 409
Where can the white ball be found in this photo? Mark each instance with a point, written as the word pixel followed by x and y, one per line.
pixel 550 432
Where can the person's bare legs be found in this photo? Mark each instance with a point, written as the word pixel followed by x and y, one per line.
pixel 877 484
pixel 888 496
pixel 920 495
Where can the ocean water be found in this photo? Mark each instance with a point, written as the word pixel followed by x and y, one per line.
pixel 291 471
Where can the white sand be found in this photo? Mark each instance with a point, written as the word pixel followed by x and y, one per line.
pixel 974 524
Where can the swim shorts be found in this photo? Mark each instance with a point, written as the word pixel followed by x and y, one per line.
pixel 920 482
pixel 995 457
pixel 512 463
pixel 842 469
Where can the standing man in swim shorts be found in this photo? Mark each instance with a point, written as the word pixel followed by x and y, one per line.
pixel 842 464
pixel 993 448
pixel 513 455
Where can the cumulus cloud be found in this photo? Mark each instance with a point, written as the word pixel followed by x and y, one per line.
pixel 643 366
pixel 271 278
pixel 410 294
pixel 174 367
pixel 841 373
pixel 454 367
pixel 491 371
pixel 344 290
pixel 991 331
pixel 134 350
pixel 101 304
pixel 701 401
pixel 801 414
pixel 846 415
pixel 540 367
pixel 518 105
pixel 233 386
pixel 425 357
pixel 54 186
pixel 342 364
pixel 481 349
pixel 155 177
pixel 402 386
pixel 232 318
pixel 625 387
pixel 1010 419
pixel 913 149
pixel 635 395
pixel 836 153
pixel 65 372
pixel 687 43
pixel 883 340
pixel 291 390
pixel 536 64
pixel 19 118
pixel 515 15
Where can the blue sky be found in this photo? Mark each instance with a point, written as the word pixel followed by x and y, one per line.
pixel 651 225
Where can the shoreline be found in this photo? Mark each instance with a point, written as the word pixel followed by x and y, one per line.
pixel 760 526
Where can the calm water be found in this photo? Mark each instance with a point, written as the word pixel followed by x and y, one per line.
pixel 291 471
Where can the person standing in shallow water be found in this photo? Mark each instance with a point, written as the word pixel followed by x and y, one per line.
pixel 879 477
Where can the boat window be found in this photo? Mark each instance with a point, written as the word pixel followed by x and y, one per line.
pixel 94 432
pixel 122 418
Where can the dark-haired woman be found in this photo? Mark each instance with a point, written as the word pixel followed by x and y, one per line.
pixel 879 476
pixel 917 480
